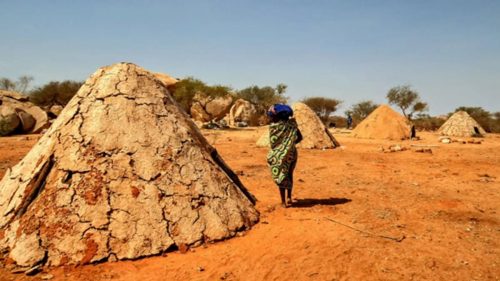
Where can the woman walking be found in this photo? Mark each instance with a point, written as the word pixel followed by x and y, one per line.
pixel 282 158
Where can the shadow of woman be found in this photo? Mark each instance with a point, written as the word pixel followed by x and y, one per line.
pixel 310 202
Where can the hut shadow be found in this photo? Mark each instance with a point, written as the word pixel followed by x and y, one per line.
pixel 309 202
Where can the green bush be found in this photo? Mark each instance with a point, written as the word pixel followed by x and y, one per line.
pixel 425 122
pixel 264 97
pixel 185 90
pixel 323 107
pixel 55 93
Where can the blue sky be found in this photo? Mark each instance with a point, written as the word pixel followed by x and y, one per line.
pixel 449 51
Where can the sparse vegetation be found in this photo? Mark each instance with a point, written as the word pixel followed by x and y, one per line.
pixel 21 85
pixel 361 110
pixel 264 97
pixel 55 93
pixel 407 100
pixel 324 107
pixel 185 90
pixel 3 127
pixel 426 122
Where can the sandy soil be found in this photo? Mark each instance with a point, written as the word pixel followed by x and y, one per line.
pixel 445 205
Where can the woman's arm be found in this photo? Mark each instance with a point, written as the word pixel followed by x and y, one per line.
pixel 299 136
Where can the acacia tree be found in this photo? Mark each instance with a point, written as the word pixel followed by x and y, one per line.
pixel 361 110
pixel 21 85
pixel 324 107
pixel 264 97
pixel 407 100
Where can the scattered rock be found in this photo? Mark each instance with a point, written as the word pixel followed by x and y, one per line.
pixel 34 270
pixel 206 108
pixel 56 109
pixel 393 148
pixel 46 276
pixel 200 269
pixel 183 248
pixel 9 121
pixel 424 150
pixel 446 140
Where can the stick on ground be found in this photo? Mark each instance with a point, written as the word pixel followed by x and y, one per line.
pixel 397 239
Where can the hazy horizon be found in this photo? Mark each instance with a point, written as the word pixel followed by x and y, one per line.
pixel 449 51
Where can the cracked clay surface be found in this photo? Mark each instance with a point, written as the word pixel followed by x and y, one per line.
pixel 123 173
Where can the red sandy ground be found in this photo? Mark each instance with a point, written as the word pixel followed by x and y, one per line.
pixel 445 204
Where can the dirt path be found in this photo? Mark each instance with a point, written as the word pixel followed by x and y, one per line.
pixel 444 204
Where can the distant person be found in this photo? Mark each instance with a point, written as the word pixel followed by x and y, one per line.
pixel 349 121
pixel 284 134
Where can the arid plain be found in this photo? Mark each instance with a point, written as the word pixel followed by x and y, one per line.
pixel 359 214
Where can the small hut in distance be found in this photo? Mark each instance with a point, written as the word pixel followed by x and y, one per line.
pixel 384 123
pixel 461 124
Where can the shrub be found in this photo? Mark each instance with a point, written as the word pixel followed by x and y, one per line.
pixel 55 93
pixel 324 107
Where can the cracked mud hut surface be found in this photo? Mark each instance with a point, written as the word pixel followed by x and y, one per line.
pixel 121 174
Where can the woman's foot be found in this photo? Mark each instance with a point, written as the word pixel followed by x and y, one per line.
pixel 289 202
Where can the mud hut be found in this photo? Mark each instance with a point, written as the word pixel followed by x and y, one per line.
pixel 314 132
pixel 122 173
pixel 461 124
pixel 383 123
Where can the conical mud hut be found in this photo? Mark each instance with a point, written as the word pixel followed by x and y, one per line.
pixel 314 132
pixel 122 173
pixel 383 123
pixel 461 124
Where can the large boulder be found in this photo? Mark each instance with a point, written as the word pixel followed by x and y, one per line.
pixel 198 113
pixel 27 121
pixel 9 120
pixel 243 111
pixel 13 96
pixel 167 80
pixel 122 173
pixel 20 103
pixel 205 108
pixel 56 109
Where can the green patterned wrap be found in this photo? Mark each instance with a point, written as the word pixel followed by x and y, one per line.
pixel 283 155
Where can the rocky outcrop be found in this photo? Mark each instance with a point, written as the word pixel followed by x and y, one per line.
pixel 56 109
pixel 21 104
pixel 123 173
pixel 243 111
pixel 9 121
pixel 206 109
pixel 167 80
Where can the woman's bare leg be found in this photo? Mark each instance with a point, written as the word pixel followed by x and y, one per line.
pixel 289 196
pixel 282 195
